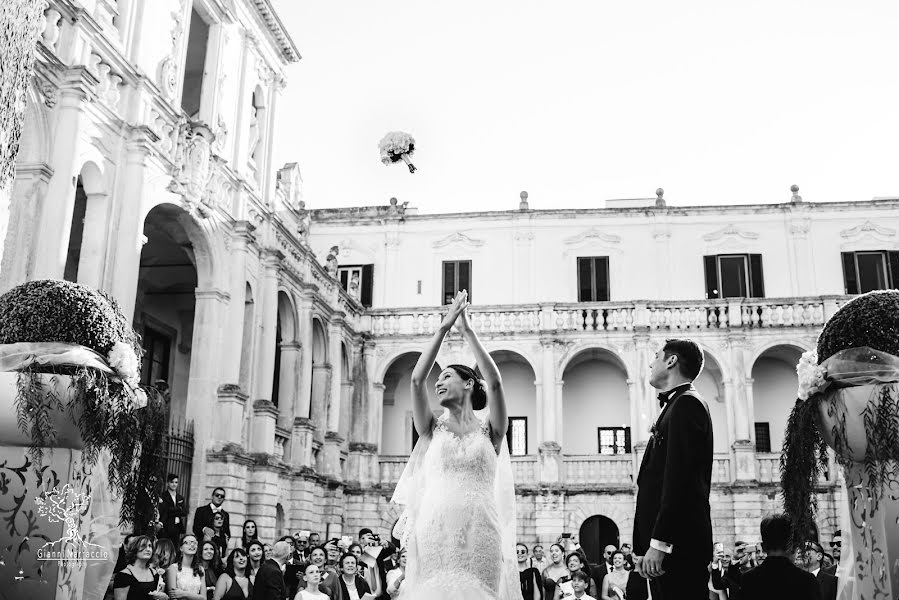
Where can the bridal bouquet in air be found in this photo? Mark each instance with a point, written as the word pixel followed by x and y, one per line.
pixel 397 146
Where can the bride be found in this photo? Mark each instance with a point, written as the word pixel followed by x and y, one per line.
pixel 459 520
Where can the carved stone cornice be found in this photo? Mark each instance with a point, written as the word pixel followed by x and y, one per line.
pixel 730 230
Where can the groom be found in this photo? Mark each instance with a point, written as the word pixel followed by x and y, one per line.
pixel 672 525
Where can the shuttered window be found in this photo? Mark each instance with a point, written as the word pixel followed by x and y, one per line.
pixel 734 276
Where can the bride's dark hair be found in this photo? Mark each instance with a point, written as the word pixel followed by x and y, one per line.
pixel 479 392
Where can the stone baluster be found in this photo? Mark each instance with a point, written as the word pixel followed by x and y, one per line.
pixel 50 34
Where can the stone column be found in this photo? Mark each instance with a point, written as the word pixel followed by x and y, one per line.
pixel 130 239
pixel 287 388
pixel 29 193
pixel 239 242
pixel 333 439
pixel 321 387
pixel 75 92
pixel 549 450
pixel 265 365
pixel 91 263
pixel 205 373
pixel 743 448
pixel 304 392
pixel 228 417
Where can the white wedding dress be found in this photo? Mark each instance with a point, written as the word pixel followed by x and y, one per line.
pixel 459 523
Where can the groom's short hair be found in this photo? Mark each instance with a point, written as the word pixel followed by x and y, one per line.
pixel 689 356
pixel 776 530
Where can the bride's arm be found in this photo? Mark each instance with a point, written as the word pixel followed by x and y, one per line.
pixel 422 416
pixel 496 397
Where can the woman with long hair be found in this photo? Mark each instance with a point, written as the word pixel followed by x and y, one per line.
pixel 575 562
pixel 234 583
pixel 212 565
pixel 163 556
pixel 186 579
pixel 137 581
pixel 458 483
pixel 249 533
pixel 256 553
pixel 555 571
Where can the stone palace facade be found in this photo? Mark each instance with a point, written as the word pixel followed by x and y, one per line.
pixel 287 336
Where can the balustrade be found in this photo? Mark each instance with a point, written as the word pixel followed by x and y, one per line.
pixel 749 313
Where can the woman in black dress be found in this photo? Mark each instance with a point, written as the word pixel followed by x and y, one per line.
pixel 212 565
pixel 529 576
pixel 137 581
pixel 234 583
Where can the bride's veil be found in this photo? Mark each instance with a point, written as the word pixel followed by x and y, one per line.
pixel 413 479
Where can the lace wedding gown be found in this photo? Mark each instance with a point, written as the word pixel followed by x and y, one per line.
pixel 459 523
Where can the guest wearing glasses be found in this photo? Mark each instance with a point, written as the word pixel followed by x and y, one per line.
pixel 204 525
pixel 529 576
pixel 836 549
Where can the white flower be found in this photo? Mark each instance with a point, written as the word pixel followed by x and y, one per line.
pixel 123 361
pixel 812 376
pixel 396 143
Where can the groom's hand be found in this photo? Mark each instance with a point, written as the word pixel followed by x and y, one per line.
pixel 651 564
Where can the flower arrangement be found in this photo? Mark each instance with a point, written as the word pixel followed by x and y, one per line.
pixel 396 146
pixel 55 328
pixel 856 347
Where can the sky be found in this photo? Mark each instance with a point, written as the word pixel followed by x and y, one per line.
pixel 578 102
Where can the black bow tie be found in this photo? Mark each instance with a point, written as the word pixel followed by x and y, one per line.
pixel 663 398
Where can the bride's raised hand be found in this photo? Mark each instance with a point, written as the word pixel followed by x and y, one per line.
pixel 458 305
pixel 462 323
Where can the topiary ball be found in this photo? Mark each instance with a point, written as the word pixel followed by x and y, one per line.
pixel 871 320
pixel 52 310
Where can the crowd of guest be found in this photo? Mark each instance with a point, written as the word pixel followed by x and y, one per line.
pixel 171 562
pixel 168 561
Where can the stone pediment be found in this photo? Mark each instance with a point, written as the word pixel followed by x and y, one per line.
pixel 730 230
pixel 458 238
pixel 867 227
pixel 593 235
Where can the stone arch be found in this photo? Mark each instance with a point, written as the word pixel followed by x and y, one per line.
pixel 519 378
pixel 385 364
pixel 621 513
pixel 199 240
pixel 578 348
pixel 595 394
pixel 799 345
pixel 397 431
pixel 284 377
pixel 174 263
pixel 34 144
pixel 319 341
pixel 280 520
pixel 774 385
pixel 595 533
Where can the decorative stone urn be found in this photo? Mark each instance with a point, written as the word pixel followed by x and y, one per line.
pixel 849 400
pixel 59 524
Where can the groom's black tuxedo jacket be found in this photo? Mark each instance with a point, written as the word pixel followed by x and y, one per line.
pixel 675 479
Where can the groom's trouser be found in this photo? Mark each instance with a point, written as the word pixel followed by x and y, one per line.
pixel 686 578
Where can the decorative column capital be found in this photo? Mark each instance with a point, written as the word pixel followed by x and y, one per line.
pixel 78 83
pixel 242 232
pixel 272 258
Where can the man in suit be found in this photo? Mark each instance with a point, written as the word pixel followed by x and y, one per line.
pixel 172 512
pixel 836 549
pixel 269 584
pixel 672 524
pixel 203 528
pixel 814 554
pixel 777 577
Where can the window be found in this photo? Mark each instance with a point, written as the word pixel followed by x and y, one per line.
pixel 517 436
pixel 870 270
pixel 157 346
pixel 593 279
pixel 357 281
pixel 614 440
pixel 194 65
pixel 734 276
pixel 762 437
pixel 456 277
